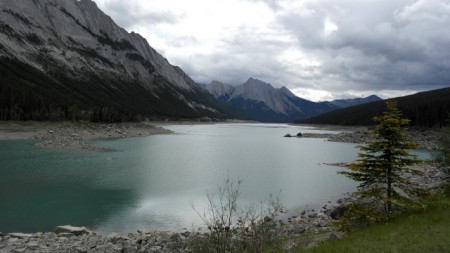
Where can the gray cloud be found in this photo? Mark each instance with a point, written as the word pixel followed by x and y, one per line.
pixel 248 54
pixel 183 41
pixel 370 45
pixel 388 45
pixel 129 13
pixel 273 4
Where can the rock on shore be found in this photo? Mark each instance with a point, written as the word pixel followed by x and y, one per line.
pixel 80 240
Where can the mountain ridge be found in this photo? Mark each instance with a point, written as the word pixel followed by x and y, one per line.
pixel 261 101
pixel 423 109
pixel 81 50
pixel 343 103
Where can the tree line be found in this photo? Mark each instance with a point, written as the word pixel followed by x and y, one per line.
pixel 424 109
pixel 27 93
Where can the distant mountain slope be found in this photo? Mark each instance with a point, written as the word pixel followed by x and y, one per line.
pixel 257 100
pixel 343 103
pixel 425 109
pixel 66 59
pixel 220 90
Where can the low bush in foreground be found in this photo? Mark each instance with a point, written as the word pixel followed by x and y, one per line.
pixel 233 228
pixel 425 229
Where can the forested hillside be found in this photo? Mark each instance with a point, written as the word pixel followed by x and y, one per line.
pixel 27 93
pixel 424 109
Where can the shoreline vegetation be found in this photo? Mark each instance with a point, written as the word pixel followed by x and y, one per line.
pixel 305 228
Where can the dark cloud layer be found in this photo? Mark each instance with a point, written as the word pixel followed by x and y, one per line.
pixel 334 46
pixel 382 45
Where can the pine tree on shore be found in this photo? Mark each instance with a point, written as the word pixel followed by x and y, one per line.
pixel 384 162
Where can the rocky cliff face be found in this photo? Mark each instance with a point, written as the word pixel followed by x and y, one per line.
pixel 75 40
pixel 220 90
pixel 278 100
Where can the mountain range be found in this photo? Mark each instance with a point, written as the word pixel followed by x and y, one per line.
pixel 260 101
pixel 67 60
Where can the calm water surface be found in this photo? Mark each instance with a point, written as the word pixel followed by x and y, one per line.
pixel 153 182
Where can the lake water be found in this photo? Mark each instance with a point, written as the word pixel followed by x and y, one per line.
pixel 153 182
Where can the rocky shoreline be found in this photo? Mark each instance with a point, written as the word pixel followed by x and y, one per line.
pixel 304 229
pixel 314 224
pixel 425 138
pixel 71 135
pixel 81 240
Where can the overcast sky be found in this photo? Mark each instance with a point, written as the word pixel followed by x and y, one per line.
pixel 320 49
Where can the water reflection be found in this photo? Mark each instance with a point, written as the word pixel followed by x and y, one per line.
pixel 152 182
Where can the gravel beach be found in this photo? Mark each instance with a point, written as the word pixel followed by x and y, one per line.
pixel 70 135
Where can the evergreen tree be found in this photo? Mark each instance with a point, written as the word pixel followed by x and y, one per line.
pixel 385 161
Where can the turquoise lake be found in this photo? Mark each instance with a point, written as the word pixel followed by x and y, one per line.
pixel 154 182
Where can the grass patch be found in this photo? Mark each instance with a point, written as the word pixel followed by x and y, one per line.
pixel 424 230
